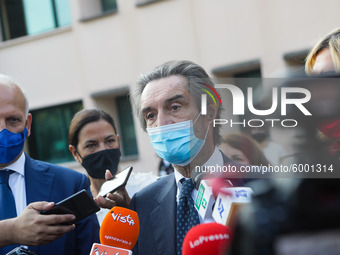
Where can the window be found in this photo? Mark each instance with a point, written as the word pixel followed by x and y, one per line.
pixel 127 127
pixel 30 17
pixel 117 103
pixel 296 58
pixel 245 80
pixel 49 134
pixel 145 2
pixel 244 75
pixel 93 9
pixel 295 62
pixel 109 5
pixel 248 79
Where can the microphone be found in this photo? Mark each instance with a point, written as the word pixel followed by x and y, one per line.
pixel 118 233
pixel 219 185
pixel 208 190
pixel 228 203
pixel 205 199
pixel 207 238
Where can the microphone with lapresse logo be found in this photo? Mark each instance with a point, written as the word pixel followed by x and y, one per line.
pixel 207 238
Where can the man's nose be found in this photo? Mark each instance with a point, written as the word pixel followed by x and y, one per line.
pixel 164 119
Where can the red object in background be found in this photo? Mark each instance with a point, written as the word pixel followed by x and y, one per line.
pixel 218 184
pixel 207 238
pixel 331 128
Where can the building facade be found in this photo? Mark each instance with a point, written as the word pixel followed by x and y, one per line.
pixel 68 55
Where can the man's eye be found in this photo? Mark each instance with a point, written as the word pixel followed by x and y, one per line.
pixel 175 107
pixel 14 120
pixel 150 116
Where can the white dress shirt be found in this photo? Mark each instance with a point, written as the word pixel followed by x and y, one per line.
pixel 215 159
pixel 17 183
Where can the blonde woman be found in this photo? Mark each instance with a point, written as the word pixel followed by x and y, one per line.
pixel 325 55
pixel 324 59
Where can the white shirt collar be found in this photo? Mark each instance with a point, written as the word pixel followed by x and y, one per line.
pixel 178 177
pixel 19 165
pixel 215 159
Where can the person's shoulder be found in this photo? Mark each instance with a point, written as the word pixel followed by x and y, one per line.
pixel 52 168
pixel 160 182
pixel 156 185
pixel 147 198
pixel 138 181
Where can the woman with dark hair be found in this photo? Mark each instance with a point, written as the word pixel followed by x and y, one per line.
pixel 94 143
pixel 244 149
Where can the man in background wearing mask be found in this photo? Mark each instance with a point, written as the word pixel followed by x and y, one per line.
pixel 25 185
pixel 167 101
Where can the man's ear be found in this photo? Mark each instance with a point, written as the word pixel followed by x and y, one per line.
pixel 211 111
pixel 28 124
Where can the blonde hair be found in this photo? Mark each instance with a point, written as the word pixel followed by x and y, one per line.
pixel 330 41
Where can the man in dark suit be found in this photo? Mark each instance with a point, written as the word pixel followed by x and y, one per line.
pixel 31 183
pixel 168 103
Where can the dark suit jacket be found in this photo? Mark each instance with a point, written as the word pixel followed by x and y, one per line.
pixel 52 183
pixel 156 208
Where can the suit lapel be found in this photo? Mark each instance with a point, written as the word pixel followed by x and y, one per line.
pixel 39 182
pixel 164 218
pixel 39 185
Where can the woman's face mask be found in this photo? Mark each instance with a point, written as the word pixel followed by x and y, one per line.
pixel 97 163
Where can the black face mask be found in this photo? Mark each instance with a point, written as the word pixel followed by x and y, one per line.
pixel 259 137
pixel 97 163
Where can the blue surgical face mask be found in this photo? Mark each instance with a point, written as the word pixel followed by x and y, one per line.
pixel 176 143
pixel 11 145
